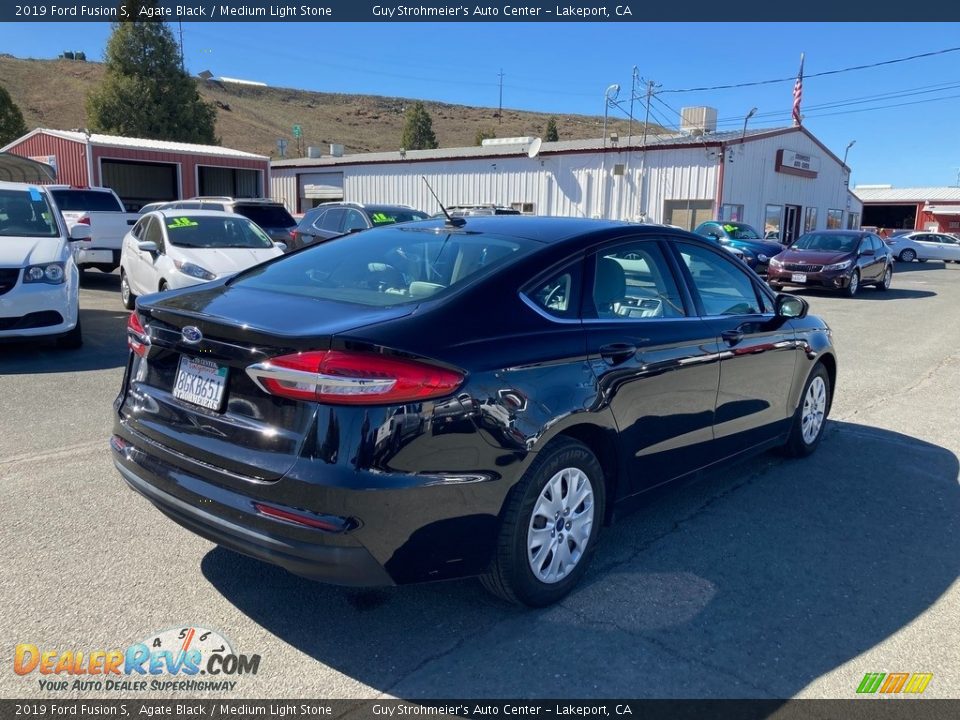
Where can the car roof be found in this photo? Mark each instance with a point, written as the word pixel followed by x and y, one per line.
pixel 172 212
pixel 7 185
pixel 839 231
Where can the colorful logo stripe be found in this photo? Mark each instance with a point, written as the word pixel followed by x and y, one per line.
pixel 892 683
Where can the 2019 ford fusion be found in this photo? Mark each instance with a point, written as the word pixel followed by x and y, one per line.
pixel 438 399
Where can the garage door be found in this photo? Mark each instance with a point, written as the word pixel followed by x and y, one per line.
pixel 687 213
pixel 228 182
pixel 138 183
pixel 316 188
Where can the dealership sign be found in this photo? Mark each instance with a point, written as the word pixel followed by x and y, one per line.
pixel 795 163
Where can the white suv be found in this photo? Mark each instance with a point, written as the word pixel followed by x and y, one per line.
pixel 39 280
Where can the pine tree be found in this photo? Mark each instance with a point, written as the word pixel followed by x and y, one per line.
pixel 11 119
pixel 146 93
pixel 551 134
pixel 418 129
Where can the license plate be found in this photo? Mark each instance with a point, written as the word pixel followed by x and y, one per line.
pixel 798 278
pixel 95 256
pixel 200 382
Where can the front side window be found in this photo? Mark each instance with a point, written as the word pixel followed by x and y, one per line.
pixel 332 220
pixel 386 266
pixel 633 281
pixel 153 233
pixel 724 289
pixel 26 213
pixel 354 221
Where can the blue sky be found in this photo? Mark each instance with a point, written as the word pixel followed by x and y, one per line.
pixel 554 67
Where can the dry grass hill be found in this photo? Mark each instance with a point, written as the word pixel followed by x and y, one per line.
pixel 52 93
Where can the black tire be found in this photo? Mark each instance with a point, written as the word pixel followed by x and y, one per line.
pixel 854 285
pixel 796 446
pixel 163 286
pixel 510 576
pixel 73 339
pixel 127 297
pixel 884 284
pixel 908 255
pixel 776 287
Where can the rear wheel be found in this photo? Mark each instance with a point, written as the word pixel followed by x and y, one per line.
pixel 126 294
pixel 908 255
pixel 550 526
pixel 811 416
pixel 884 284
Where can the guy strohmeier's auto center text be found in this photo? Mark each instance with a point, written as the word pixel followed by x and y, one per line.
pixel 279 11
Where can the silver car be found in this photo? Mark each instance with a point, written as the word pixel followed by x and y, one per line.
pixel 923 246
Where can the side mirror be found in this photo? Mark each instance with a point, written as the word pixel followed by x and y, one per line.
pixel 281 245
pixel 147 246
pixel 867 253
pixel 791 306
pixel 81 232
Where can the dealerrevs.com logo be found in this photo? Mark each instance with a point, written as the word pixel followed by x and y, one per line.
pixel 186 659
pixel 894 683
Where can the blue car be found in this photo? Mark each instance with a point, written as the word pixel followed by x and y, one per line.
pixel 756 251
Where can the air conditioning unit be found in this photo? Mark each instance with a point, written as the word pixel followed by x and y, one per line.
pixel 698 120
pixel 313 152
pixel 336 149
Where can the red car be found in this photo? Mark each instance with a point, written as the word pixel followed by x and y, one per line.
pixel 842 260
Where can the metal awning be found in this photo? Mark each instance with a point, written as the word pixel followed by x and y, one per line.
pixel 942 209
pixel 15 168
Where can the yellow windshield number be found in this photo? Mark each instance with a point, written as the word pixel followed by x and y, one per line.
pixel 182 222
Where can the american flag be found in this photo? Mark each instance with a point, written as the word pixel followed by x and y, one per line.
pixel 798 94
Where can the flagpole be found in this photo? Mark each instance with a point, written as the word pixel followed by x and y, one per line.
pixel 798 95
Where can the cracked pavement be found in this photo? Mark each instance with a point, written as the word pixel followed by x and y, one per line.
pixel 768 579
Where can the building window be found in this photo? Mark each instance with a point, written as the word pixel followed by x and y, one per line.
pixel 524 207
pixel 853 221
pixel 687 214
pixel 810 220
pixel 834 219
pixel 771 219
pixel 731 213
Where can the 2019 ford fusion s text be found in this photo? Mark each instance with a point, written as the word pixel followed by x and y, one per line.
pixel 429 400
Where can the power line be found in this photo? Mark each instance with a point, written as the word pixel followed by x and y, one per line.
pixel 837 71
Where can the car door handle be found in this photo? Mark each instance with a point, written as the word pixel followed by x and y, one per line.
pixel 618 352
pixel 732 337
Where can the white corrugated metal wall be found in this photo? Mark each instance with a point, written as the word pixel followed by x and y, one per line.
pixel 571 184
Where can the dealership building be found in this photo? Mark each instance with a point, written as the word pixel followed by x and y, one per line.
pixel 781 180
pixel 143 171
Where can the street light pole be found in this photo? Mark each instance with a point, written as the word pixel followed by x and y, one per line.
pixel 845 152
pixel 745 121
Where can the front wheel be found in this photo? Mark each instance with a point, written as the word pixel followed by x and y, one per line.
pixel 853 285
pixel 550 526
pixel 811 416
pixel 884 284
pixel 126 294
pixel 908 255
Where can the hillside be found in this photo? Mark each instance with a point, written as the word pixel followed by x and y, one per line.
pixel 52 93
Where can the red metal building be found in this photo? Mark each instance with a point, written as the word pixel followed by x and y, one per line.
pixel 934 209
pixel 143 171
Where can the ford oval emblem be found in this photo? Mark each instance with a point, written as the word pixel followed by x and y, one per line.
pixel 191 335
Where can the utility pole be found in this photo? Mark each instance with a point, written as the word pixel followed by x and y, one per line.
pixel 500 111
pixel 633 96
pixel 183 65
pixel 651 85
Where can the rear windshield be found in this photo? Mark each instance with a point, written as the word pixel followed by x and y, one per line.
pixel 86 201
pixel 822 241
pixel 389 216
pixel 267 216
pixel 199 231
pixel 386 266
pixel 26 213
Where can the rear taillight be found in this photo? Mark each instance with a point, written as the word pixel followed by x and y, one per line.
pixel 85 220
pixel 353 378
pixel 329 523
pixel 137 338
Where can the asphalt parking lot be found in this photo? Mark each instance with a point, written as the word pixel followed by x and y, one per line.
pixel 773 578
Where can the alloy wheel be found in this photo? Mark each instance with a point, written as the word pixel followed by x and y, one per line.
pixel 814 408
pixel 560 525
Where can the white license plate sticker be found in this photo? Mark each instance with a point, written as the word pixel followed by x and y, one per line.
pixel 798 278
pixel 200 382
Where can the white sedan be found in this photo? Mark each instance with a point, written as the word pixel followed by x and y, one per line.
pixel 170 249
pixel 39 280
pixel 925 246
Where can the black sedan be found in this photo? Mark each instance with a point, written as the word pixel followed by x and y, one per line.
pixel 428 401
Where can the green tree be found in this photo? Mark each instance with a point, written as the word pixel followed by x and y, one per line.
pixel 418 129
pixel 551 134
pixel 146 93
pixel 11 119
pixel 483 134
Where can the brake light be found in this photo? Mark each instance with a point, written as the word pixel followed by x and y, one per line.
pixel 329 523
pixel 137 338
pixel 84 220
pixel 353 378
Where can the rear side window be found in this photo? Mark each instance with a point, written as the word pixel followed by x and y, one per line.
pixel 633 281
pixel 266 216
pixel 86 201
pixel 386 266
pixel 558 295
